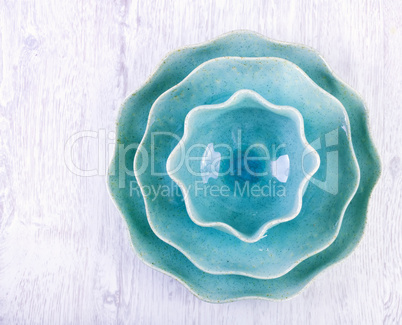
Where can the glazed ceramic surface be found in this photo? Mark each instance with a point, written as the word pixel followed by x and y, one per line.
pixel 244 144
pixel 286 244
pixel 215 265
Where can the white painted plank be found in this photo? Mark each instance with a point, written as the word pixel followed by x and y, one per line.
pixel 66 66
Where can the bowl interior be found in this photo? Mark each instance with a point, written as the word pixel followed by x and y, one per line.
pixel 243 164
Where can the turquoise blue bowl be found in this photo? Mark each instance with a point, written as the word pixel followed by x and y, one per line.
pixel 221 255
pixel 286 244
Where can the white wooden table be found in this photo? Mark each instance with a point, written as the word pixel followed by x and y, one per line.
pixel 67 65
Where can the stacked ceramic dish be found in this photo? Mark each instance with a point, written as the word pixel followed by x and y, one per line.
pixel 243 168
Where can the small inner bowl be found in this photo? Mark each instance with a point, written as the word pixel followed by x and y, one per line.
pixel 243 165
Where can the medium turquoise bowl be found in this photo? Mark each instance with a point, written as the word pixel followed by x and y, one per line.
pixel 215 265
pixel 288 243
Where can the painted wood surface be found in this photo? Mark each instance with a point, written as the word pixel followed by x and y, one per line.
pixel 67 65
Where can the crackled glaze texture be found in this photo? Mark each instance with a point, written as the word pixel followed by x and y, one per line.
pixel 244 144
pixel 332 218
pixel 287 244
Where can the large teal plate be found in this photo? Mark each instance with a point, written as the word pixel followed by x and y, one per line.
pixel 130 130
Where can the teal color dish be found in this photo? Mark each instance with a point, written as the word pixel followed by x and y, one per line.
pixel 243 164
pixel 287 244
pixel 168 259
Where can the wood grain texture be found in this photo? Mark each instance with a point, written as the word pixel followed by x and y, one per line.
pixel 67 65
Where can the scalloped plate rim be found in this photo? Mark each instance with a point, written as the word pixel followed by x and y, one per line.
pixel 321 268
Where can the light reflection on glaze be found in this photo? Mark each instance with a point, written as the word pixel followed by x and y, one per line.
pixel 280 168
pixel 210 163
